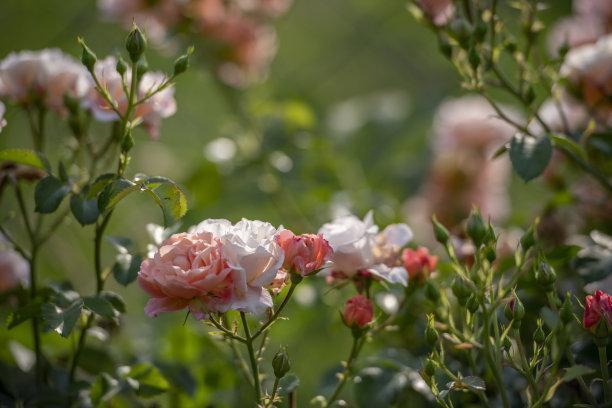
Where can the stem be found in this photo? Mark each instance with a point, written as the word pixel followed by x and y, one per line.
pixel 278 311
pixel 274 391
pixel 252 357
pixel 346 374
pixel 490 360
pixel 603 362
pixel 525 364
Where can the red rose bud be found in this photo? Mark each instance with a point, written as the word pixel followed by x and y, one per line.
pixel 358 312
pixel 596 307
pixel 304 254
pixel 418 262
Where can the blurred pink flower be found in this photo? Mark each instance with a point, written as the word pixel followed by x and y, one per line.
pixel 279 282
pixel 14 269
pixel 46 75
pixel 187 271
pixel 564 115
pixel 589 71
pixel 418 262
pixel 600 9
pixel 150 112
pixel 574 31
pixel 439 12
pixel 358 312
pixel 304 254
pixel 596 307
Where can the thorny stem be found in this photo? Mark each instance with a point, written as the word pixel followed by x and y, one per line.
pixel 252 357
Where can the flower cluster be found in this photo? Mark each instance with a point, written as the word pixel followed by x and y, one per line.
pixel 237 34
pixel 46 78
pixel 360 250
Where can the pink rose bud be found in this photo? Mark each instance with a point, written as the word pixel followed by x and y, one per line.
pixel 597 306
pixel 358 312
pixel 304 254
pixel 418 262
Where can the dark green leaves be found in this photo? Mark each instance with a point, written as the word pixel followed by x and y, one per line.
pixel 99 305
pixel 26 157
pixel 147 381
pixel 23 314
pixel 125 270
pixel 142 379
pixel 573 372
pixel 529 155
pixel 61 320
pixel 114 192
pixel 49 194
pixel 84 209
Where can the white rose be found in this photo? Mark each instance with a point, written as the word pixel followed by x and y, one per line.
pixel 254 256
pixel 359 247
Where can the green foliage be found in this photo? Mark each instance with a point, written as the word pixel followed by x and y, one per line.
pixel 26 157
pixel 530 155
pixel 49 194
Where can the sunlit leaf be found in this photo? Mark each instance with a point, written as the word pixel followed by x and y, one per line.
pixel 26 157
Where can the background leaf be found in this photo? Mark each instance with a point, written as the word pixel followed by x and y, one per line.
pixel 530 156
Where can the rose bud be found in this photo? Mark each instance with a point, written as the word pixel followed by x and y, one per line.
pixel 418 262
pixel 135 44
pixel 281 363
pixel 441 233
pixel 476 228
pixel 304 254
pixel 358 312
pixel 566 312
pixel 515 311
pixel 431 334
pixel 596 307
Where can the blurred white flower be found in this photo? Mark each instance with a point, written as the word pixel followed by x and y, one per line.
pixel 2 120
pixel 220 150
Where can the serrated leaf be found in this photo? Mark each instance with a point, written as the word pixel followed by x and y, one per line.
pixel 169 197
pixel 49 193
pixel 99 305
pixel 84 209
pixel 529 155
pixel 114 192
pixel 573 372
pixel 125 270
pixel 25 156
pixel 61 320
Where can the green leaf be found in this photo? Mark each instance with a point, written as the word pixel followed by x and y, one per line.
pixel 567 144
pixel 99 305
pixel 49 193
pixel 573 372
pixel 23 314
pixel 103 389
pixel 61 320
pixel 115 299
pixel 98 185
pixel 529 155
pixel 289 383
pixel 26 157
pixel 125 270
pixel 114 192
pixel 84 209
pixel 150 380
pixel 169 197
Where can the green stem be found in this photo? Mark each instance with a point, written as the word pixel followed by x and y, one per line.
pixel 605 375
pixel 252 357
pixel 274 391
pixel 525 364
pixel 492 362
pixel 346 373
pixel 278 311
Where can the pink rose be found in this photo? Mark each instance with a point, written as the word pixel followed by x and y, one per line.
pixel 279 282
pixel 418 262
pixel 304 254
pixel 358 312
pixel 596 307
pixel 187 271
pixel 150 112
pixel 439 12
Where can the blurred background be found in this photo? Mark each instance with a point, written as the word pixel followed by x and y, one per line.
pixel 342 123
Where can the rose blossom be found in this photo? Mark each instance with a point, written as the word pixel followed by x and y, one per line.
pixel 439 11
pixel 150 112
pixel 187 271
pixel 14 269
pixel 304 254
pixel 358 312
pixel 252 253
pixel 588 69
pixel 359 248
pixel 596 307
pixel 418 262
pixel 574 31
pixel 46 75
pixel 600 9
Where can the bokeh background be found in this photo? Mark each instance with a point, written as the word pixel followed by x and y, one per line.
pixel 345 115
